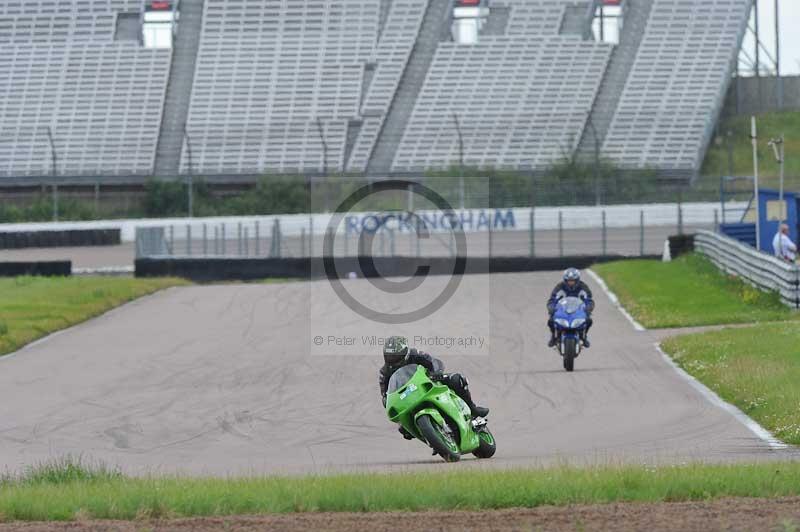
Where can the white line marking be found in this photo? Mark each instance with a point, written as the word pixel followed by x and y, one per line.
pixel 716 400
pixel 615 300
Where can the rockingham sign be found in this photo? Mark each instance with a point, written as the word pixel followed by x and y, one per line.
pixel 470 220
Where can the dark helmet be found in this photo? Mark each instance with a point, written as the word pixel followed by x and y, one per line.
pixel 572 274
pixel 395 349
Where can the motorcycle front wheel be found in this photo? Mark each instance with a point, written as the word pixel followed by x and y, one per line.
pixel 570 349
pixel 487 446
pixel 442 442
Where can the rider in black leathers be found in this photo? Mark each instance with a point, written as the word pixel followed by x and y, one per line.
pixel 570 286
pixel 397 354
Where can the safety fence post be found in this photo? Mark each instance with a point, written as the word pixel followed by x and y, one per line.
pixel 223 241
pixel 532 233
pixel 330 236
pixel 641 233
pixel 171 239
pixel 605 235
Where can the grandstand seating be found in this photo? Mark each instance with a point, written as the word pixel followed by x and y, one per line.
pixel 266 72
pixel 677 84
pixel 62 69
pixel 269 72
pixel 534 17
pixel 56 27
pixel 521 103
pixel 390 57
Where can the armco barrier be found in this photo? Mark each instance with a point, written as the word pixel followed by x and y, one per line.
pixel 63 238
pixel 759 269
pixel 227 269
pixel 53 268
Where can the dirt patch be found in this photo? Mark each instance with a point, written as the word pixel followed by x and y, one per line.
pixel 725 514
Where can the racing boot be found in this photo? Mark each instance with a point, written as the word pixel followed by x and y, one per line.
pixel 586 342
pixel 407 435
pixel 552 342
pixel 477 411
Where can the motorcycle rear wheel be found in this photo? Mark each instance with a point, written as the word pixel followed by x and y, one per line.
pixel 441 442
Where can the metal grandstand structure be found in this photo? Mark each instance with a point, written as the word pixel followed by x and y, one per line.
pixel 324 87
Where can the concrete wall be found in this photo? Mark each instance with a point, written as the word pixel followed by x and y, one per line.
pixel 743 95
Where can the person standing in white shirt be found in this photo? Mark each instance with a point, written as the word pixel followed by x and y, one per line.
pixel 783 246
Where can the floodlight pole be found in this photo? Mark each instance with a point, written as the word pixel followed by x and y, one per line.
pixel 778 149
pixel 324 162
pixel 596 160
pixel 190 191
pixel 53 172
pixel 754 139
pixel 460 160
pixel 779 81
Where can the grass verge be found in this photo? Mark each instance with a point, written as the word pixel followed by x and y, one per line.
pixel 32 307
pixel 770 125
pixel 755 368
pixel 108 495
pixel 688 292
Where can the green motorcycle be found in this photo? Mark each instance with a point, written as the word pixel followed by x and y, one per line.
pixel 433 413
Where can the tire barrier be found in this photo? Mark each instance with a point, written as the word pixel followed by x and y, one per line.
pixel 680 245
pixel 47 269
pixel 59 239
pixel 234 269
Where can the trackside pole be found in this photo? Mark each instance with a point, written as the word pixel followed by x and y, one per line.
pixel 560 234
pixel 310 235
pixel 330 237
pixel 754 139
pixel 532 231
pixel 419 248
pixel 605 235
pixel 641 233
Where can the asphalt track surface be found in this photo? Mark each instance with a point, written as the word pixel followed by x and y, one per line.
pixel 226 380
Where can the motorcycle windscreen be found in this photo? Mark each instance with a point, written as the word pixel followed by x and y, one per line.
pixel 571 305
pixel 401 377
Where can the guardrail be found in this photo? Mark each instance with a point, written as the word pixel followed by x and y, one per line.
pixel 759 269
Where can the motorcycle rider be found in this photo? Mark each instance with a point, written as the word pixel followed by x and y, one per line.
pixel 570 286
pixel 397 354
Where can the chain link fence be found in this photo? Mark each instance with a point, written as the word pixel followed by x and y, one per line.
pixel 546 232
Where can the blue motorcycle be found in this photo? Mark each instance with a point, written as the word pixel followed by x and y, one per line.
pixel 570 321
